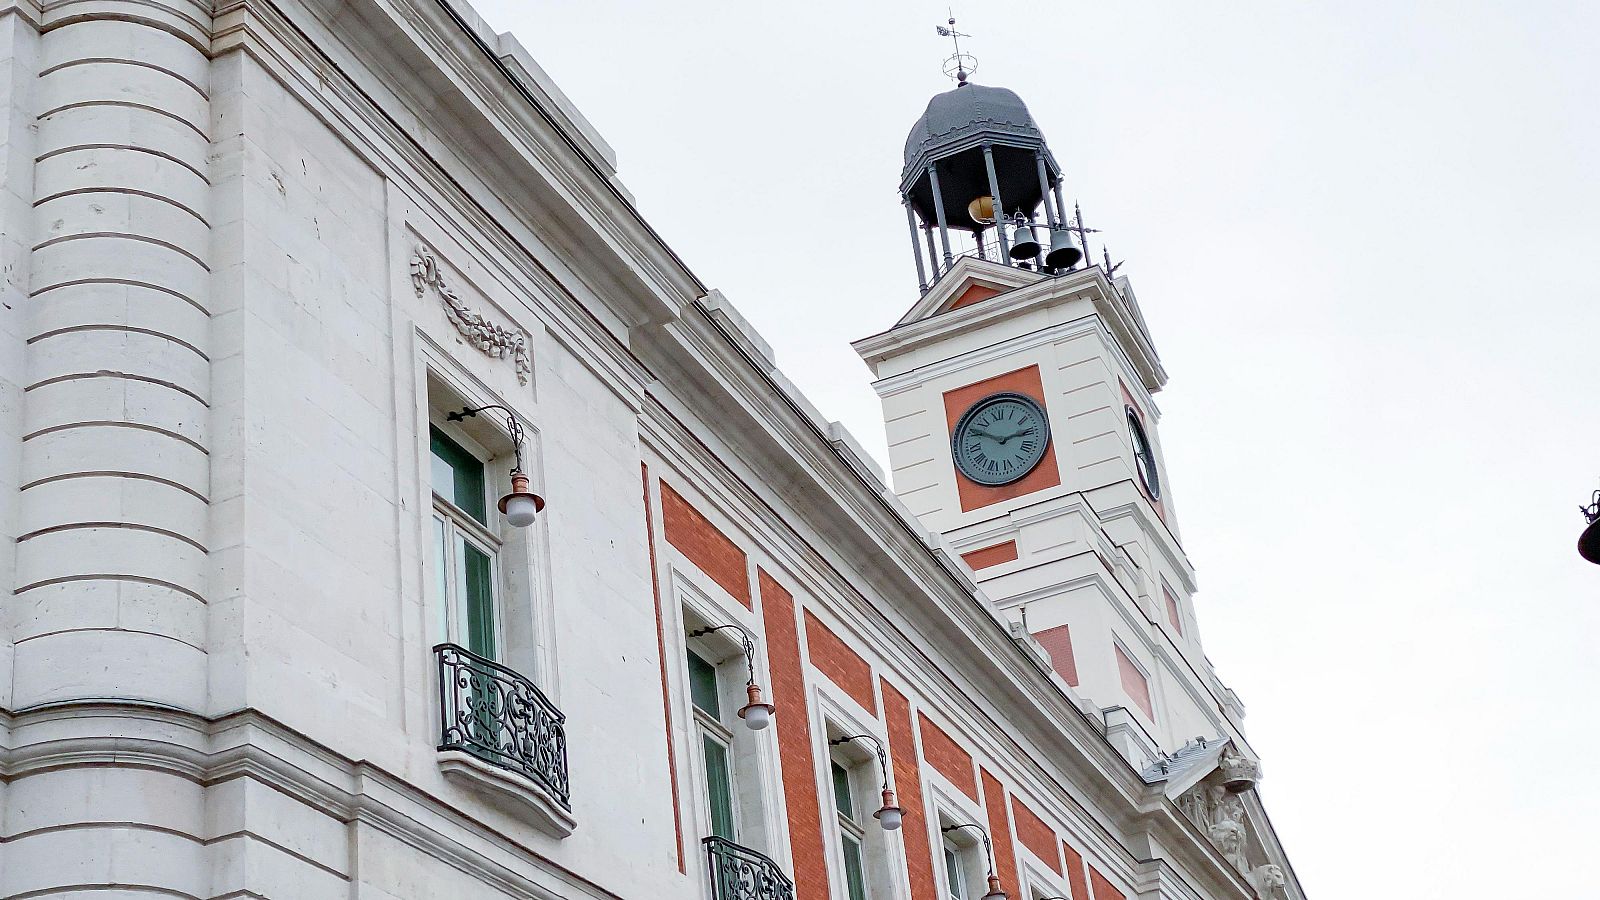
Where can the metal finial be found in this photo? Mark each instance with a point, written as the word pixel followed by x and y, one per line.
pixel 1077 227
pixel 960 65
pixel 1111 270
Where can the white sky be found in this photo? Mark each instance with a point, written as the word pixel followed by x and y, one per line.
pixel 1364 237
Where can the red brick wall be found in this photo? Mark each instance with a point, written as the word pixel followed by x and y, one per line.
pixel 1134 684
pixel 1005 852
pixel 944 754
pixel 1102 888
pixel 974 294
pixel 1045 475
pixel 1080 885
pixel 990 556
pixel 908 785
pixel 842 665
pixel 704 545
pixel 794 740
pixel 661 651
pixel 1057 642
pixel 1036 835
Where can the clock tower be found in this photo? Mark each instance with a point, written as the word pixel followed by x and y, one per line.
pixel 1018 398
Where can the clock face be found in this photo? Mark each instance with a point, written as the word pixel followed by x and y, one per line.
pixel 1144 457
pixel 1000 439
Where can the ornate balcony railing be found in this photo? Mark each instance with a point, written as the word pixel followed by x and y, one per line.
pixel 739 873
pixel 502 718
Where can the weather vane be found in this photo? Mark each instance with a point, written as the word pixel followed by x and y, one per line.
pixel 960 65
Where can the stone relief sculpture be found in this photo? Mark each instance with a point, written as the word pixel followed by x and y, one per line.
pixel 494 340
pixel 1266 880
pixel 1227 829
pixel 1229 836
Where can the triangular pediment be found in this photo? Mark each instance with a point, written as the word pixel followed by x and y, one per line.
pixel 969 281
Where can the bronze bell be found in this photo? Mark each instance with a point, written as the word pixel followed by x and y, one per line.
pixel 1589 541
pixel 1064 252
pixel 1024 245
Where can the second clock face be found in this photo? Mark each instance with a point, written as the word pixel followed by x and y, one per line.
pixel 1000 438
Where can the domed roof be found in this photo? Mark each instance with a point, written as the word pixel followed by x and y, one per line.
pixel 958 117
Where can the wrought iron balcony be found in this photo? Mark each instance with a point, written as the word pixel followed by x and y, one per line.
pixel 739 873
pixel 502 718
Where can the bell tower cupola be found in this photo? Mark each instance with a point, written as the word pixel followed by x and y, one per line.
pixel 976 163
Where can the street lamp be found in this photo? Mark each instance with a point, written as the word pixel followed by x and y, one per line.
pixel 995 893
pixel 890 816
pixel 757 713
pixel 1589 541
pixel 521 505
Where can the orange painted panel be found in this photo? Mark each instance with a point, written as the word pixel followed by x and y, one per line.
pixel 985 557
pixel 1045 475
pixel 975 293
pixel 1134 684
pixel 1057 642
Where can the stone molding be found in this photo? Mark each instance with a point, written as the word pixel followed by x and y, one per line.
pixel 493 340
pixel 249 743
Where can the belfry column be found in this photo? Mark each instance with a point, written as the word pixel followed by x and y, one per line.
pixel 110 591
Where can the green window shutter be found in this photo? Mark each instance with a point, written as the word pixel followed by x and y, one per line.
pixel 855 881
pixel 703 686
pixel 478 592
pixel 841 792
pixel 457 475
pixel 719 789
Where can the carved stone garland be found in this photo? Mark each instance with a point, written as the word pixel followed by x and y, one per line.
pixel 494 340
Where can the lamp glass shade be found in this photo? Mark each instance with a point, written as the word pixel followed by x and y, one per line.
pixel 890 818
pixel 756 716
pixel 521 510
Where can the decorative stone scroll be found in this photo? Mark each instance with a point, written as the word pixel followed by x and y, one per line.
pixel 494 340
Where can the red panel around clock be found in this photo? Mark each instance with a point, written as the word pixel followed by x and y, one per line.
pixel 1045 475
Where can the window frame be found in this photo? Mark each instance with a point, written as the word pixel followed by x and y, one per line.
pixel 709 728
pixel 851 829
pixel 453 527
pixel 955 870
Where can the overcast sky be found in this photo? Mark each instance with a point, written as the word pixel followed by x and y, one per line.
pixel 1364 235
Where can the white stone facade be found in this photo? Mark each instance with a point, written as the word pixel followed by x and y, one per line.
pixel 252 250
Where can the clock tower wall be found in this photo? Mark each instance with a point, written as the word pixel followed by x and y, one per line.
pixel 1081 549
